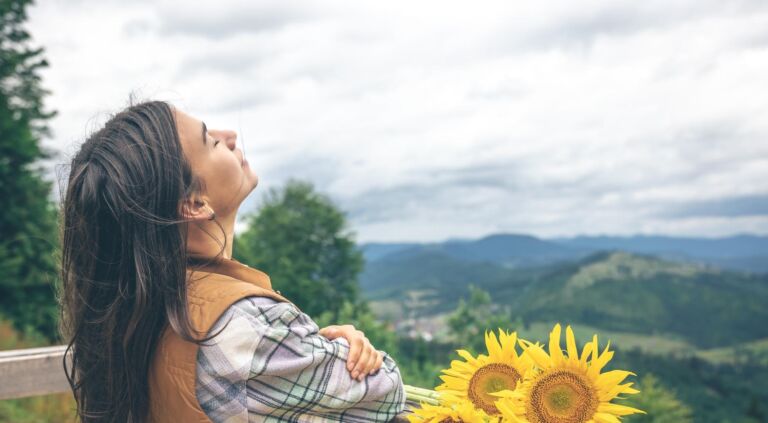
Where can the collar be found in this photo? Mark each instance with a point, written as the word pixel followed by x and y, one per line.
pixel 234 269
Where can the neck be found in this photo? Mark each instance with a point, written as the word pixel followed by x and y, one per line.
pixel 205 238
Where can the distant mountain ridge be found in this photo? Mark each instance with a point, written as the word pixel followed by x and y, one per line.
pixel 747 253
pixel 612 290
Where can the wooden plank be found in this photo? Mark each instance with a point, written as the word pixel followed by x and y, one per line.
pixel 32 351
pixel 38 371
pixel 33 372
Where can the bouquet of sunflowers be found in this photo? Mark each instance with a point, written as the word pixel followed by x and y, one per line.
pixel 534 386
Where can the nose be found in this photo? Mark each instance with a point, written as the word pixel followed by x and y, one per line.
pixel 231 138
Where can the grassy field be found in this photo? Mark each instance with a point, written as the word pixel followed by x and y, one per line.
pixel 660 343
pixel 739 353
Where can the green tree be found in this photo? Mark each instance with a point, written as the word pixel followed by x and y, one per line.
pixel 660 404
pixel 299 238
pixel 28 218
pixel 476 315
pixel 754 413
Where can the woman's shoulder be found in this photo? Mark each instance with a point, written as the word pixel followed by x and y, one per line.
pixel 259 312
pixel 258 304
pixel 254 301
pixel 238 331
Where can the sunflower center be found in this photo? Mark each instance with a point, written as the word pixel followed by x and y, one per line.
pixel 562 396
pixel 492 377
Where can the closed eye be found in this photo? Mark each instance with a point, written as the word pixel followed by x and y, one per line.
pixel 216 140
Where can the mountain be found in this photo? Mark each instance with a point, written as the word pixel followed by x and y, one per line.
pixel 744 253
pixel 507 250
pixel 376 250
pixel 626 292
pixel 611 290
pixel 735 246
pixel 429 270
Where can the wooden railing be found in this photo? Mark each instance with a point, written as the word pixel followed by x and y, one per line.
pixel 38 371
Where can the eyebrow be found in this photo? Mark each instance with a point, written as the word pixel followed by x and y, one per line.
pixel 205 129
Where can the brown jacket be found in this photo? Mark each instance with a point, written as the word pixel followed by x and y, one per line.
pixel 172 375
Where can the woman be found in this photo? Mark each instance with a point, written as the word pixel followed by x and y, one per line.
pixel 163 324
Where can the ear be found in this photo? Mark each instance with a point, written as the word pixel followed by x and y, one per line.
pixel 196 209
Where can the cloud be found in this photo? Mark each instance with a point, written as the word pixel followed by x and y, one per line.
pixel 751 205
pixel 432 120
pixel 216 21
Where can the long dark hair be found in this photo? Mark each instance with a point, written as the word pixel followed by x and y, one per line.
pixel 124 259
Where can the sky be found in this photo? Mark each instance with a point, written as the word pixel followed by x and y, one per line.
pixel 434 120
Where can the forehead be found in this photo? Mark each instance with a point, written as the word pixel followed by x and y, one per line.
pixel 190 131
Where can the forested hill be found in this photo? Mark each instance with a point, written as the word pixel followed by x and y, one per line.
pixel 617 291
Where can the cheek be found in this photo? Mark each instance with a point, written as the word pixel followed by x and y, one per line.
pixel 225 177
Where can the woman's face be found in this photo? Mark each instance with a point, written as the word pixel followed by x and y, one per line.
pixel 216 160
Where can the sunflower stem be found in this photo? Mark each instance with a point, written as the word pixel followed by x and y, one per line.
pixel 429 393
pixel 419 399
pixel 416 394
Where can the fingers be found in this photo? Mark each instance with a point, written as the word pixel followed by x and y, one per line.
pixel 356 346
pixel 363 358
pixel 330 332
pixel 379 361
pixel 371 361
pixel 362 365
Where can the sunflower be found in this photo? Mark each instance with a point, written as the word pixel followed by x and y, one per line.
pixel 450 410
pixel 567 390
pixel 476 378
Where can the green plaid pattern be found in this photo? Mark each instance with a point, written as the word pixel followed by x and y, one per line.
pixel 270 364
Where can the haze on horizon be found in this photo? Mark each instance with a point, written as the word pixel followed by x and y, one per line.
pixel 431 121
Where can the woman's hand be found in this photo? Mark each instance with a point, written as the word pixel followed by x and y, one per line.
pixel 363 357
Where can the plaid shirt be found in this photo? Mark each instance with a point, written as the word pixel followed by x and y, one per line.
pixel 270 364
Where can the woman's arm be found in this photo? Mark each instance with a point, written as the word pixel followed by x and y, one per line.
pixel 270 363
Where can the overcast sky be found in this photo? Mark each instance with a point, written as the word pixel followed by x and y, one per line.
pixel 431 120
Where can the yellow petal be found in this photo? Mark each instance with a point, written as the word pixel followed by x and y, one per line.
pixel 597 364
pixel 607 395
pixel 503 393
pixel 586 352
pixel 508 412
pixel 492 344
pixel 617 409
pixel 605 418
pixel 467 356
pixel 462 366
pixel 457 373
pixel 508 344
pixel 555 353
pixel 629 390
pixel 570 341
pixel 610 379
pixel 539 356
pixel 524 342
pixel 595 348
pixel 455 381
